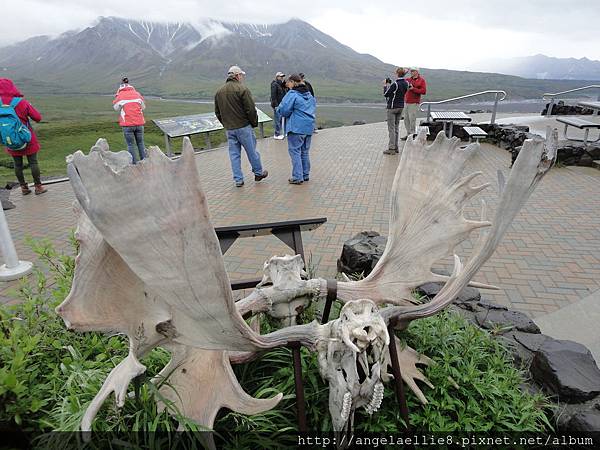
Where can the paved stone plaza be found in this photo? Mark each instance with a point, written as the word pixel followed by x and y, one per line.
pixel 549 259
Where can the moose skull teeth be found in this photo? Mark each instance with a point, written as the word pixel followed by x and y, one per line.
pixel 376 400
pixel 352 358
pixel 346 407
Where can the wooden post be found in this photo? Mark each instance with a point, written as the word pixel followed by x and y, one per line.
pixel 168 145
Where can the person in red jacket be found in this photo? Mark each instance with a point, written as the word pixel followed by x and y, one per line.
pixel 130 105
pixel 25 111
pixel 416 87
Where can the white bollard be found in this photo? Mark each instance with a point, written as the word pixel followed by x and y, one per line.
pixel 12 269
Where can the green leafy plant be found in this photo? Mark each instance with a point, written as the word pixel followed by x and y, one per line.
pixel 49 375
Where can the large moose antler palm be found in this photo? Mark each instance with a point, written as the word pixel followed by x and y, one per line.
pixel 150 267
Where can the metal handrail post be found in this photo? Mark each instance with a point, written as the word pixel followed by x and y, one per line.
pixel 493 119
pixel 428 113
pixel 550 107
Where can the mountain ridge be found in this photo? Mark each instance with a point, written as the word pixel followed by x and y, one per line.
pixel 189 60
pixel 543 67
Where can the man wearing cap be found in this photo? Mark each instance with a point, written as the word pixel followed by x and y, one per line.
pixel 277 93
pixel 235 109
pixel 416 87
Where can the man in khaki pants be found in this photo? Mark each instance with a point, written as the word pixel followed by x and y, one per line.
pixel 416 87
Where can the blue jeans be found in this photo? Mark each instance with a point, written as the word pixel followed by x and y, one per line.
pixel 277 123
pixel 133 136
pixel 238 138
pixel 298 147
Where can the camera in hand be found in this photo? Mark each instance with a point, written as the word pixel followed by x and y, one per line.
pixel 388 80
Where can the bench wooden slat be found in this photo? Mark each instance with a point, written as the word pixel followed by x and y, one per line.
pixel 450 115
pixel 475 132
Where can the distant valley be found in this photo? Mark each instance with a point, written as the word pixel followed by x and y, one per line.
pixel 178 60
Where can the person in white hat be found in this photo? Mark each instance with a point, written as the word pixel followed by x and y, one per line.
pixel 416 88
pixel 235 109
pixel 277 93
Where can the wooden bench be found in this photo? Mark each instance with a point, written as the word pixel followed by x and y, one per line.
pixel 448 118
pixel 289 232
pixel 582 124
pixel 475 132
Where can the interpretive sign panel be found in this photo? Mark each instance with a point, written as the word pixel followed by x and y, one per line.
pixel 197 123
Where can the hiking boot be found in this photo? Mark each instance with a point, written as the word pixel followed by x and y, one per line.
pixel 239 183
pixel 40 189
pixel 25 189
pixel 292 181
pixel 307 179
pixel 390 151
pixel 264 175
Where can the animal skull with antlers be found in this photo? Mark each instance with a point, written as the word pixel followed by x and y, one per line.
pixel 149 286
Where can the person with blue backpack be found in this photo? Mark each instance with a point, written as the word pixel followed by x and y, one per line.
pixel 17 135
pixel 299 108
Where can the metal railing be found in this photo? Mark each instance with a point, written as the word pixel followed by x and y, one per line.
pixel 500 95
pixel 551 97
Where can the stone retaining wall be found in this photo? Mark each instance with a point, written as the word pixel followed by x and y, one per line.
pixel 563 370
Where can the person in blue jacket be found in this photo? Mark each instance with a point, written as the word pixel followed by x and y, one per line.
pixel 298 107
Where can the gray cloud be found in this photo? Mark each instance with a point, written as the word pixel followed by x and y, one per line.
pixel 550 24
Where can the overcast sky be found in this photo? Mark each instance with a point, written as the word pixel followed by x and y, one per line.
pixel 429 33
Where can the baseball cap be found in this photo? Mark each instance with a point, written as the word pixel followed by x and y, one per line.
pixel 416 69
pixel 280 74
pixel 234 70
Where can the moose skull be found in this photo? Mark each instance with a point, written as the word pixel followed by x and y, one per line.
pixel 354 359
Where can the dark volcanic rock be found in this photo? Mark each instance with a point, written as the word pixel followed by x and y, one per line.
pixel 361 253
pixel 359 122
pixel 499 318
pixel 560 109
pixel 566 369
pixel 585 421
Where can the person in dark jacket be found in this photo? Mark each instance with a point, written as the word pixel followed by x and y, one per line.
pixel 278 90
pixel 235 109
pixel 298 107
pixel 394 93
pixel 25 111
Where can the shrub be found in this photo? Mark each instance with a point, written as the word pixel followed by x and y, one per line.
pixel 48 376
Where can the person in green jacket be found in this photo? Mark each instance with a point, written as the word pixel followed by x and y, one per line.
pixel 235 109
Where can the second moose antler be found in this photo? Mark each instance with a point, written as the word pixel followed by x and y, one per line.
pixel 171 283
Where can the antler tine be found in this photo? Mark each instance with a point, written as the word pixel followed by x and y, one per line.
pixel 531 165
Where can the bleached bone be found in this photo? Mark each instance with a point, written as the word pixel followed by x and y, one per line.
pixel 203 382
pixel 200 308
pixel 106 295
pixel 426 220
pixel 287 294
pixel 177 255
pixel 117 381
pixel 534 161
pixel 356 342
pixel 408 359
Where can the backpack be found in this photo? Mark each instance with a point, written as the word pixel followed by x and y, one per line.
pixel 13 133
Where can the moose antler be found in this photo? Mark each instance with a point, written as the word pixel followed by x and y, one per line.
pixel 172 282
pixel 534 161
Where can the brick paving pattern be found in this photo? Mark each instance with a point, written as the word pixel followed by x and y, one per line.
pixel 549 258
